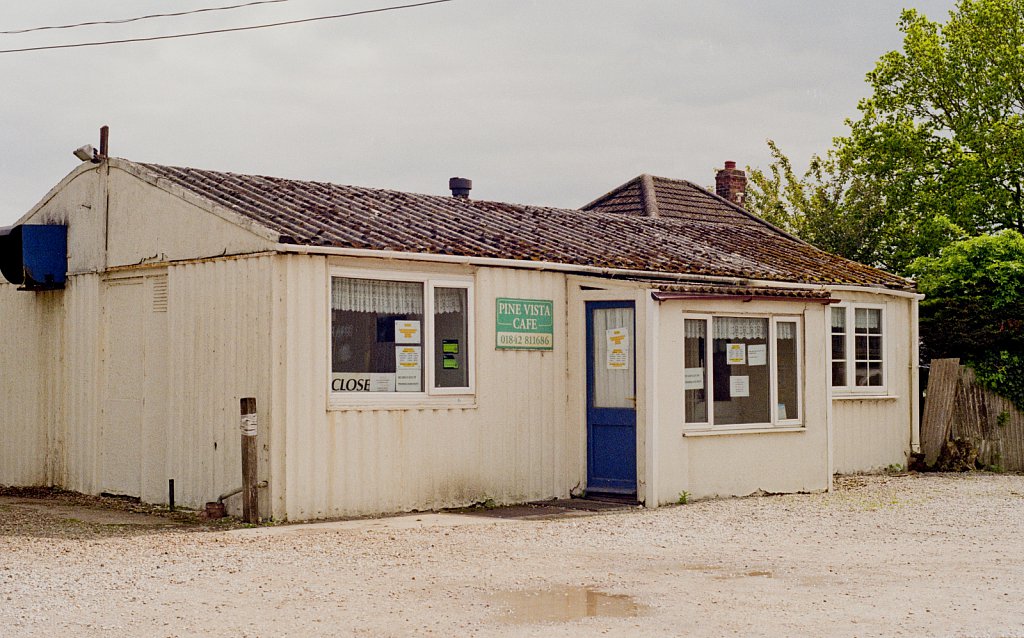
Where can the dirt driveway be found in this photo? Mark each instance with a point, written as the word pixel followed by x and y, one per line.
pixel 916 555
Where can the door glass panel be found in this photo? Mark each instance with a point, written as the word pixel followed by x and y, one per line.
pixel 614 376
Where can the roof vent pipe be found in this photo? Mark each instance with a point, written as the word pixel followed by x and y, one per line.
pixel 460 187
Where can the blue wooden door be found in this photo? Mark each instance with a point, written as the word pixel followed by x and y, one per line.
pixel 611 397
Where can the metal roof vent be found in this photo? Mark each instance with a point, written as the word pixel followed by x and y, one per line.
pixel 460 187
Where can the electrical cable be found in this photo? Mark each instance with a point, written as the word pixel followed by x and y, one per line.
pixel 146 17
pixel 228 30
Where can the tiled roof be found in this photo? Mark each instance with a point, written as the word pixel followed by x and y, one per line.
pixel 322 214
pixel 651 196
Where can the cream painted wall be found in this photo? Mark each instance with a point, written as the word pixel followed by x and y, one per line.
pixel 78 202
pixel 873 433
pixel 29 409
pixel 149 224
pixel 740 464
pixel 512 442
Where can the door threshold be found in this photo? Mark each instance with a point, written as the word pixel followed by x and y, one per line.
pixel 628 498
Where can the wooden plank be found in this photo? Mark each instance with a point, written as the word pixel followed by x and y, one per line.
pixel 943 380
pixel 250 491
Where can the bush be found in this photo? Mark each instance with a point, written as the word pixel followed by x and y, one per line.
pixel 974 308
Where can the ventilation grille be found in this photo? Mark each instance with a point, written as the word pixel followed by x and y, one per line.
pixel 160 294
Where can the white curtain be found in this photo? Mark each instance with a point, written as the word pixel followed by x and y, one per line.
pixel 696 328
pixel 785 330
pixel 448 300
pixel 740 328
pixel 839 319
pixel 377 296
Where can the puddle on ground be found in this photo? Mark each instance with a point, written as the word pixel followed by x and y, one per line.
pixel 564 604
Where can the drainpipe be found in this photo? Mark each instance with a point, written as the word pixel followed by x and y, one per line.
pixel 915 381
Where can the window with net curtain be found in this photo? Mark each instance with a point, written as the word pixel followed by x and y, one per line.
pixel 733 379
pixel 370 351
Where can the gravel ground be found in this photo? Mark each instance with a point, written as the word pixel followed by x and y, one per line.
pixel 909 555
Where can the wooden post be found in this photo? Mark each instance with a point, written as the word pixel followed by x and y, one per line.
pixel 250 492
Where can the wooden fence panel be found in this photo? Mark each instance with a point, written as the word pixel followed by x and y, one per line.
pixel 938 406
pixel 956 407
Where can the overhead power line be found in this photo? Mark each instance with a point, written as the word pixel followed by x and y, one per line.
pixel 137 18
pixel 228 30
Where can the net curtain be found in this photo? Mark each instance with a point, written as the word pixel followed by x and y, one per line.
pixel 392 297
pixel 740 328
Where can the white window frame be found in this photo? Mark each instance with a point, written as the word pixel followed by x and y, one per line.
pixel 773 372
pixel 851 388
pixel 431 395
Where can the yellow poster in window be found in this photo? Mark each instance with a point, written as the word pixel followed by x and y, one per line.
pixel 617 343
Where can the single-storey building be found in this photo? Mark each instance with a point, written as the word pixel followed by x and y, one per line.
pixel 413 351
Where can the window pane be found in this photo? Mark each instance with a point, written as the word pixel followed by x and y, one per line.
pixel 740 370
pixel 695 394
pixel 875 348
pixel 451 326
pixel 838 347
pixel 868 320
pixel 860 347
pixel 838 373
pixel 861 373
pixel 786 371
pixel 376 335
pixel 875 374
pixel 838 319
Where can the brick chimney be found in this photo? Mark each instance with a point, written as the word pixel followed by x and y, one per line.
pixel 731 183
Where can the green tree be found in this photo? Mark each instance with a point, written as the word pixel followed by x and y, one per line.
pixel 942 134
pixel 974 308
pixel 829 206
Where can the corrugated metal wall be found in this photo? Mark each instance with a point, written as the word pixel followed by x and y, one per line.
pixel 870 434
pixel 514 445
pixel 206 345
pixel 81 369
pixel 32 333
pixel 219 325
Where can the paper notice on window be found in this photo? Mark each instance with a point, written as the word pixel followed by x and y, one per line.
pixel 693 379
pixel 757 355
pixel 736 354
pixel 407 332
pixel 362 382
pixel 617 342
pixel 739 387
pixel 382 382
pixel 408 368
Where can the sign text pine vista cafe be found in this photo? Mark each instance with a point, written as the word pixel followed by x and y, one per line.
pixel 524 324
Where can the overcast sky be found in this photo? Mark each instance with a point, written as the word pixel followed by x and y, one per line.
pixel 548 102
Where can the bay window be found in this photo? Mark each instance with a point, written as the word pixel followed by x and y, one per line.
pixel 857 349
pixel 399 334
pixel 746 373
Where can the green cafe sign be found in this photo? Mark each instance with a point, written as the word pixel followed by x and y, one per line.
pixel 524 324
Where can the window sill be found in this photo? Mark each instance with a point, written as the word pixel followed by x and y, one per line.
pixel 724 432
pixel 392 403
pixel 864 397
